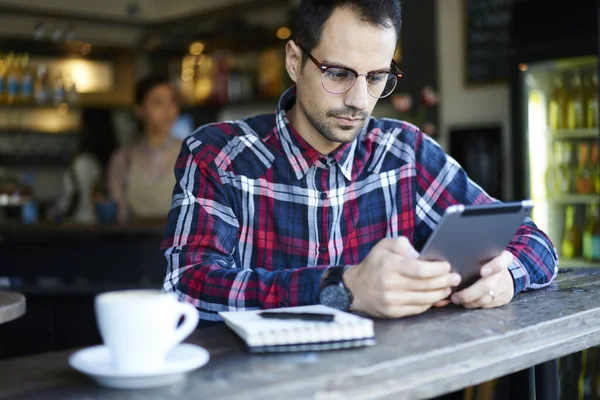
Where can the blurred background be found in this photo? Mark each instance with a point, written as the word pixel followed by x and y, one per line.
pixel 508 87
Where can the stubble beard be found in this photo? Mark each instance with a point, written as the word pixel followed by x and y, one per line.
pixel 319 121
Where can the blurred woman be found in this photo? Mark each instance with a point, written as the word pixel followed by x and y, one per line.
pixel 140 177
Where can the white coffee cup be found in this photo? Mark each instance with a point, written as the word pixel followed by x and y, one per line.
pixel 140 327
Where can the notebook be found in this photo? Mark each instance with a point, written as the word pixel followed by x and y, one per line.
pixel 273 335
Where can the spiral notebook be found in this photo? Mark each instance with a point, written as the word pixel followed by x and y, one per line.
pixel 274 335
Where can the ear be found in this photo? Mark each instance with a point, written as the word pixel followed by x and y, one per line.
pixel 293 60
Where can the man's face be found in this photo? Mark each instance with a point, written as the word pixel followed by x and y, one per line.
pixel 349 42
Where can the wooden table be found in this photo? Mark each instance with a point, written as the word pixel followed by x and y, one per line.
pixel 435 353
pixel 12 306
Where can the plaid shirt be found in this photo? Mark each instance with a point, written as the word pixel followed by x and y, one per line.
pixel 258 215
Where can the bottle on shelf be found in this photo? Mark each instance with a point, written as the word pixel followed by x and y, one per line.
pixel 18 198
pixel 571 241
pixel 583 176
pixel 189 71
pixel 13 78
pixel 22 81
pixel 591 234
pixel 595 165
pixel 29 209
pixel 10 198
pixel 26 84
pixel 3 75
pixel 592 101
pixel 575 103
pixel 71 94
pixel 566 169
pixel 248 75
pixel 234 82
pixel 557 106
pixel 221 78
pixel 552 175
pixel 41 86
pixel 203 82
pixel 58 92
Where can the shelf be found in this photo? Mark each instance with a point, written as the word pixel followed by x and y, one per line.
pixel 577 263
pixel 20 131
pixel 48 48
pixel 568 134
pixel 49 107
pixel 46 161
pixel 576 199
pixel 257 102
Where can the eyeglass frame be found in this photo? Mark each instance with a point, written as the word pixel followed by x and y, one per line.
pixel 324 67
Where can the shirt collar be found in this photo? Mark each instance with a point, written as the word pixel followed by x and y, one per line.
pixel 301 155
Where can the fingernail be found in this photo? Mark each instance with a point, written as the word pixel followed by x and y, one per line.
pixel 414 254
pixel 456 279
pixel 448 291
pixel 486 271
pixel 455 299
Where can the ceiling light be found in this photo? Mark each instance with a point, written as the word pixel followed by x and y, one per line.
pixel 196 48
pixel 284 33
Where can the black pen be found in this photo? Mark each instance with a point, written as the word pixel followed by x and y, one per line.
pixel 294 315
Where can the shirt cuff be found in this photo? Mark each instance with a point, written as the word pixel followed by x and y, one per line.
pixel 309 294
pixel 519 275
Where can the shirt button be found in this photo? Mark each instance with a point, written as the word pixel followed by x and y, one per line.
pixel 323 195
pixel 322 249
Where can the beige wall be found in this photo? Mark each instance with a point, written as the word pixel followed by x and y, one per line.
pixel 463 105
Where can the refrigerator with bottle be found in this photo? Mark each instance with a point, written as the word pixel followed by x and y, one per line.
pixel 555 130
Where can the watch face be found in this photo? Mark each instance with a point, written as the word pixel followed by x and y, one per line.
pixel 335 296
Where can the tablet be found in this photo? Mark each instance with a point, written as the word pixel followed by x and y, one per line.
pixel 470 236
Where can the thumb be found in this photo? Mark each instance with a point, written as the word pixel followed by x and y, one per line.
pixel 400 246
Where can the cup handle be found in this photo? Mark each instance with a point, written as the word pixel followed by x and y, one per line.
pixel 190 322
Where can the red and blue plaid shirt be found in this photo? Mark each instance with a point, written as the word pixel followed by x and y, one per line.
pixel 258 215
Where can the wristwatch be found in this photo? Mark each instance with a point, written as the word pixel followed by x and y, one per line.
pixel 333 293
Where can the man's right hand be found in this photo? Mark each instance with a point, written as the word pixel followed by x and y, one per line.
pixel 392 283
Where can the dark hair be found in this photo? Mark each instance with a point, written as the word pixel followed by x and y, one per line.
pixel 97 135
pixel 142 89
pixel 146 85
pixel 312 15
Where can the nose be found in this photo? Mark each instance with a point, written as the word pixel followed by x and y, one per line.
pixel 358 96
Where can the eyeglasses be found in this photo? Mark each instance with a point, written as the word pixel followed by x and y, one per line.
pixel 338 80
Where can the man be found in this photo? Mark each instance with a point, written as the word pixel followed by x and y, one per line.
pixel 320 202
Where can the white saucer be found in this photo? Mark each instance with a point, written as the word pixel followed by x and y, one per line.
pixel 96 363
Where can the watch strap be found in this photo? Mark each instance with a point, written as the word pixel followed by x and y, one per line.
pixel 333 276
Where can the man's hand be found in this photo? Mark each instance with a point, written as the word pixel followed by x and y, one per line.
pixel 494 289
pixel 392 283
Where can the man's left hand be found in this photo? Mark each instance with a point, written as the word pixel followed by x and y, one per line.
pixel 494 289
